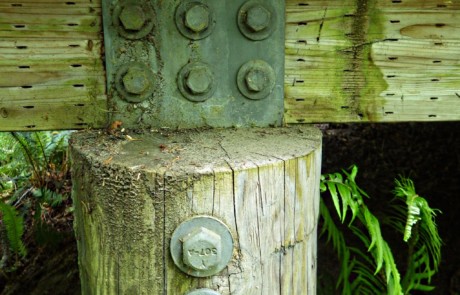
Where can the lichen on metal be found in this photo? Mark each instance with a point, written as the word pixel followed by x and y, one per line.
pixel 210 63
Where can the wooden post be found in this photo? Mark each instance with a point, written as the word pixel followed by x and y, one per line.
pixel 131 193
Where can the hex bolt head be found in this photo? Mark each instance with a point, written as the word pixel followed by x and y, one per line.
pixel 257 18
pixel 132 17
pixel 197 18
pixel 201 249
pixel 198 81
pixel 136 81
pixel 256 80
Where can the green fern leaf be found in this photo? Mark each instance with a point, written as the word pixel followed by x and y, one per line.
pixel 14 225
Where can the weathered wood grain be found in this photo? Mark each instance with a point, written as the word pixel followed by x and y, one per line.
pixel 130 195
pixel 52 72
pixel 375 60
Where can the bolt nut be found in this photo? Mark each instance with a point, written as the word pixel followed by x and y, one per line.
pixel 202 249
pixel 201 246
pixel 196 81
pixel 197 18
pixel 199 81
pixel 256 80
pixel 136 81
pixel 132 17
pixel 257 18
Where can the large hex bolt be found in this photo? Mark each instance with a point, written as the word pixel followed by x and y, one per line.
pixel 202 249
pixel 196 81
pixel 201 246
pixel 203 292
pixel 132 17
pixel 257 18
pixel 199 81
pixel 197 18
pixel 136 81
pixel 256 80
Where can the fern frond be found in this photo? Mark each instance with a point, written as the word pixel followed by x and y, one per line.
pixel 14 225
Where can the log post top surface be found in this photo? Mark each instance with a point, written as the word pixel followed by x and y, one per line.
pixel 197 150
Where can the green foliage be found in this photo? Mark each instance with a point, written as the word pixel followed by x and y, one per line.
pixel 368 267
pixel 14 227
pixel 34 177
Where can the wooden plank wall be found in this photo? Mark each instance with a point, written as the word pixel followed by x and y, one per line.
pixel 372 60
pixel 51 69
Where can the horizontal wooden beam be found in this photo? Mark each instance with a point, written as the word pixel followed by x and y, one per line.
pixel 346 61
pixel 51 65
pixel 374 60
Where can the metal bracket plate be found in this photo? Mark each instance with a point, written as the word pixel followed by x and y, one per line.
pixel 195 63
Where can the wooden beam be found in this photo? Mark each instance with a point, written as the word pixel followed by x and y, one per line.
pixel 372 60
pixel 52 72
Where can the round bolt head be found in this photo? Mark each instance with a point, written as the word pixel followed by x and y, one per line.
pixel 198 81
pixel 203 292
pixel 258 18
pixel 202 249
pixel 256 80
pixel 132 17
pixel 136 81
pixel 197 18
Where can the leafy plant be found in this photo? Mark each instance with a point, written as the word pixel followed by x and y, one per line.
pixel 11 226
pixel 34 177
pixel 368 265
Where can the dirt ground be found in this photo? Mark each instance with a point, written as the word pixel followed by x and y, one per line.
pixel 426 152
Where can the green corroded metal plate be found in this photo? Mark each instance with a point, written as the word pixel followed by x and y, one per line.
pixel 210 63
